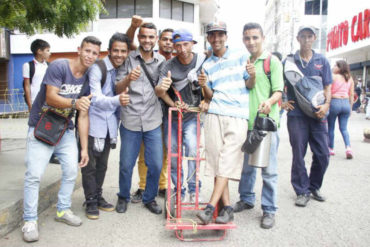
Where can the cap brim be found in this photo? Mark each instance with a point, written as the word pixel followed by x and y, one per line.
pixel 216 29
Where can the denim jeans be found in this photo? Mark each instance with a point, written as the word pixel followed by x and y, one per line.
pixel 189 134
pixel 342 109
pixel 130 147
pixel 37 158
pixel 269 176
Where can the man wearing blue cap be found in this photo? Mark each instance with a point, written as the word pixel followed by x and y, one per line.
pixel 179 75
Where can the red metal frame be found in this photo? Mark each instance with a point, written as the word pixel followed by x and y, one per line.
pixel 176 222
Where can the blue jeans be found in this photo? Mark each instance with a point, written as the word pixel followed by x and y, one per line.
pixel 37 158
pixel 189 134
pixel 269 176
pixel 342 109
pixel 130 147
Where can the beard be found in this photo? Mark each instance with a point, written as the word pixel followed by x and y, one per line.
pixel 146 49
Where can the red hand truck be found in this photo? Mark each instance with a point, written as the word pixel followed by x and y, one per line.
pixel 174 206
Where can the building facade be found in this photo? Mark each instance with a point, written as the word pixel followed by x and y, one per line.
pixel 349 36
pixel 15 47
pixel 283 18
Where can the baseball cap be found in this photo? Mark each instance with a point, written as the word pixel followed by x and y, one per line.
pixel 182 35
pixel 216 26
pixel 307 27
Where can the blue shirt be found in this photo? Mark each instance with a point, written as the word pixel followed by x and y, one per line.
pixel 317 66
pixel 226 77
pixel 104 103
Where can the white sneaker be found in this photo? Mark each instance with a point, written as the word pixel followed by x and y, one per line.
pixel 30 231
pixel 192 198
pixel 68 217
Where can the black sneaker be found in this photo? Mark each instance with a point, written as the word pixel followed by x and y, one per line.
pixel 206 215
pixel 240 206
pixel 138 196
pixel 316 194
pixel 104 205
pixel 121 205
pixel 91 210
pixel 226 215
pixel 153 207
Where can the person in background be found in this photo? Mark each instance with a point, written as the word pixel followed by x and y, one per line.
pixel 342 91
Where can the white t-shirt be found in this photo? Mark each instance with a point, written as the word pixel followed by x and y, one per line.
pixel 40 69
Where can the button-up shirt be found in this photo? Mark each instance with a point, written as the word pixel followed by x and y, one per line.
pixel 144 112
pixel 104 103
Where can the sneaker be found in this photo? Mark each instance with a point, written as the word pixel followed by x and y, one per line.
pixel 192 198
pixel 331 152
pixel 267 221
pixel 316 194
pixel 137 196
pixel 240 206
pixel 30 231
pixel 68 217
pixel 206 215
pixel 153 207
pixel 302 200
pixel 226 215
pixel 349 154
pixel 91 210
pixel 104 205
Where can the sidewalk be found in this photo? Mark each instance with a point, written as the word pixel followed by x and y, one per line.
pixel 340 221
pixel 13 148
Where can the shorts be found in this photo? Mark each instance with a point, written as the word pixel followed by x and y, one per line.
pixel 224 138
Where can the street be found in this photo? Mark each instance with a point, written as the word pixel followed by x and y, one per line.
pixel 343 220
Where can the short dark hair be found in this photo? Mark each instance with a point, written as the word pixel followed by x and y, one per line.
pixel 149 25
pixel 91 39
pixel 252 25
pixel 120 37
pixel 167 30
pixel 39 44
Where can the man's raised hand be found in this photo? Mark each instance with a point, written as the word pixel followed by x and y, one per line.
pixel 83 103
pixel 136 21
pixel 250 68
pixel 166 82
pixel 124 98
pixel 202 79
pixel 135 74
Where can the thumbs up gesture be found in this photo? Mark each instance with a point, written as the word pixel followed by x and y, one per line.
pixel 135 73
pixel 202 79
pixel 124 98
pixel 166 82
pixel 250 68
pixel 83 103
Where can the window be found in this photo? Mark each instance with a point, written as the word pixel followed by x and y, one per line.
pixel 312 7
pixel 176 10
pixel 127 8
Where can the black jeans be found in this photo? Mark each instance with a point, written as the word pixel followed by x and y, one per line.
pixel 94 173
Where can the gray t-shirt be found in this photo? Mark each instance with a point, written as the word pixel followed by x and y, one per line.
pixel 58 75
pixel 180 81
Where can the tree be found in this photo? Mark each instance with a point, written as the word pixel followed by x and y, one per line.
pixel 62 17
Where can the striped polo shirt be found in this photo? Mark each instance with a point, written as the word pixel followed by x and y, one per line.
pixel 226 77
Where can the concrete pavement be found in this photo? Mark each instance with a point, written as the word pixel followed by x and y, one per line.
pixel 343 220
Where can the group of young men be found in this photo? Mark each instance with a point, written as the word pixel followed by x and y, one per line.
pixel 131 90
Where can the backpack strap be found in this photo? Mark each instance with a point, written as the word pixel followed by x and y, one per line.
pixel 103 69
pixel 267 69
pixel 32 70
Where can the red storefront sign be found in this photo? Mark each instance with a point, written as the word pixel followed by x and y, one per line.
pixel 359 30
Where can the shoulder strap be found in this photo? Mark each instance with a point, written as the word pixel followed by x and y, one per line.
pixel 142 63
pixel 267 69
pixel 103 69
pixel 32 70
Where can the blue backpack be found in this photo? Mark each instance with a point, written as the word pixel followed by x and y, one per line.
pixel 308 90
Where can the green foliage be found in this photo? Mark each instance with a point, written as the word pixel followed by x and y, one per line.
pixel 62 17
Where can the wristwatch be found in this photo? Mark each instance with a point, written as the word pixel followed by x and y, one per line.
pixel 73 103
